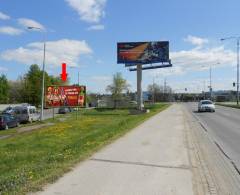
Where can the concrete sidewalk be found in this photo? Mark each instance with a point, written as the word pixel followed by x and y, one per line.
pixel 151 159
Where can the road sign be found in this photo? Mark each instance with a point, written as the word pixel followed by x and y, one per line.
pixel 69 96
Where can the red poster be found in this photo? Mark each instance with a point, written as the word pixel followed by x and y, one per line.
pixel 70 96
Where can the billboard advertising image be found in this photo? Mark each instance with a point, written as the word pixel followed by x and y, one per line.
pixel 70 96
pixel 143 52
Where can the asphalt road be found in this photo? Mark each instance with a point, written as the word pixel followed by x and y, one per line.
pixel 224 127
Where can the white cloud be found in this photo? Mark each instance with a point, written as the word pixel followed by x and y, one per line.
pixel 197 41
pixel 89 10
pixel 199 85
pixel 25 22
pixel 101 79
pixel 10 30
pixel 96 27
pixel 4 16
pixel 3 69
pixel 57 52
pixel 197 60
pixel 99 83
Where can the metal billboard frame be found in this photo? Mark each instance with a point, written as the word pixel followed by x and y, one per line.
pixel 142 66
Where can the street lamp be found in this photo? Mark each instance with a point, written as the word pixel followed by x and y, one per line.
pixel 210 78
pixel 43 70
pixel 72 67
pixel 237 39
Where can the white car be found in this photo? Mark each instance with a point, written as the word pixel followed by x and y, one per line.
pixel 206 106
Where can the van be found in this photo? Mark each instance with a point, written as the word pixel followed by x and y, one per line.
pixel 26 113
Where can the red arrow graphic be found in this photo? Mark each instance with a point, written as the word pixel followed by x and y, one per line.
pixel 64 72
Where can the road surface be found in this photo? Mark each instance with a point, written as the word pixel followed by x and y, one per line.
pixel 224 127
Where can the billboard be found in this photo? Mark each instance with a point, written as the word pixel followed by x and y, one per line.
pixel 70 96
pixel 143 52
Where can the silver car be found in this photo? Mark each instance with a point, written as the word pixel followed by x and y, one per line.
pixel 206 106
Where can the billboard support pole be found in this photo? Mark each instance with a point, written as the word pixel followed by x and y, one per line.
pixel 139 87
pixel 53 113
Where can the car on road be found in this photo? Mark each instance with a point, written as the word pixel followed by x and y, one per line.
pixel 7 121
pixel 64 110
pixel 206 106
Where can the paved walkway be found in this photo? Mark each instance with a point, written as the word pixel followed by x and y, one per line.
pixel 152 160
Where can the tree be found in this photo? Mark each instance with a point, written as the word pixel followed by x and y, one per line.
pixel 117 88
pixel 154 89
pixel 16 91
pixel 31 84
pixel 160 93
pixel 4 89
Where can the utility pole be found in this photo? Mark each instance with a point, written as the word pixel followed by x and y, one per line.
pixel 237 71
pixel 153 94
pixel 210 87
pixel 204 88
pixel 164 89
pixel 139 87
pixel 237 39
pixel 43 68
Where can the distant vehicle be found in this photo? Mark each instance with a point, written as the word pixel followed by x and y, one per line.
pixel 64 110
pixel 26 113
pixel 206 106
pixel 8 110
pixel 7 121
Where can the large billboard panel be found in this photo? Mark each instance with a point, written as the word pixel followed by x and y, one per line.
pixel 143 52
pixel 69 96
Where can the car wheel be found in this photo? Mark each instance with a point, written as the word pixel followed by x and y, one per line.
pixel 6 127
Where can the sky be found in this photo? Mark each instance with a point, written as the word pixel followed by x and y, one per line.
pixel 84 34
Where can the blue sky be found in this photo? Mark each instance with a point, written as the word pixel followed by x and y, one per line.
pixel 84 33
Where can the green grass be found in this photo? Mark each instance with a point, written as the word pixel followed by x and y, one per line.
pixel 229 104
pixel 30 160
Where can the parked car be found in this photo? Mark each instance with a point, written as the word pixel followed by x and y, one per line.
pixel 64 110
pixel 26 113
pixel 206 106
pixel 7 121
pixel 8 110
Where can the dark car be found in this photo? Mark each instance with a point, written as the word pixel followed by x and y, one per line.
pixel 64 110
pixel 8 110
pixel 8 121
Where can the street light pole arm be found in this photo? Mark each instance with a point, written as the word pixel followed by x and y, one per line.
pixel 43 67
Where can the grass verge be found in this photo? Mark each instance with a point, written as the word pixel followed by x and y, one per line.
pixel 30 160
pixel 229 105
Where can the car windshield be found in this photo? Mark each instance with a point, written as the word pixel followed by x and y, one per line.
pixel 207 102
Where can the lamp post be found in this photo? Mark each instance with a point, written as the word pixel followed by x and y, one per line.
pixel 210 79
pixel 43 70
pixel 78 75
pixel 237 39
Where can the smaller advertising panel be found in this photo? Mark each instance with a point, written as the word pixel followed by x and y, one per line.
pixel 69 96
